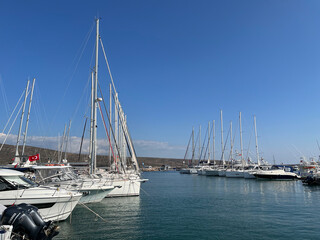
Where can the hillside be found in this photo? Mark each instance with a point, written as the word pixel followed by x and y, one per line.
pixel 8 152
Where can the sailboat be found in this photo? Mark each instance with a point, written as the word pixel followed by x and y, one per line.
pixel 126 179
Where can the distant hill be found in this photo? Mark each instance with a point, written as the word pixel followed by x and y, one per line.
pixel 8 152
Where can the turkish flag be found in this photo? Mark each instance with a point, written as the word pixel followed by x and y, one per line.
pixel 34 157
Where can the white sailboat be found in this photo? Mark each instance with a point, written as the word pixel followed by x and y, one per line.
pixel 249 173
pixel 64 177
pixel 127 180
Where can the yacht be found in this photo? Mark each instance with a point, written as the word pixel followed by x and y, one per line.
pixel 63 176
pixel 276 173
pixel 213 171
pixel 235 173
pixel 126 184
pixel 55 204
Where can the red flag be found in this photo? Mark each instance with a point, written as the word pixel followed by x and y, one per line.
pixel 34 157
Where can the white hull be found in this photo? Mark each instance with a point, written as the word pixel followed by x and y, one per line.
pixel 249 174
pixel 278 174
pixel 94 195
pixel 234 174
pixel 125 188
pixel 52 204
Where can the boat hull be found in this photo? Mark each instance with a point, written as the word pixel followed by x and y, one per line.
pixel 125 188
pixel 213 172
pixel 94 195
pixel 234 174
pixel 274 176
pixel 53 205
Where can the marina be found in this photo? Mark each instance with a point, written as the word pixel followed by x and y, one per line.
pixel 181 206
pixel 127 82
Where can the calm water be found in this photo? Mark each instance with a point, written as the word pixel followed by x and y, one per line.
pixel 178 206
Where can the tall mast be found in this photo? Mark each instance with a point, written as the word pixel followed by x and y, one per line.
pixel 17 158
pixel 62 143
pixel 222 146
pixel 95 93
pixel 124 144
pixel 199 142
pixel 209 142
pixel 27 123
pixel 193 148
pixel 255 131
pixel 91 115
pixel 231 144
pixel 67 141
pixel 110 122
pixel 116 124
pixel 241 146
pixel 213 142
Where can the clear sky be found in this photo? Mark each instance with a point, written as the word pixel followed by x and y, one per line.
pixel 175 64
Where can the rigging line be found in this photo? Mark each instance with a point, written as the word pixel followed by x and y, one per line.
pixel 83 46
pixel 185 155
pixel 128 138
pixel 4 95
pixel 249 145
pixel 115 140
pixel 84 129
pixel 111 130
pixel 225 144
pixel 106 59
pixel 85 206
pixel 104 123
pixel 205 136
pixel 14 110
pixel 5 139
pixel 82 96
pixel 125 128
pixel 207 146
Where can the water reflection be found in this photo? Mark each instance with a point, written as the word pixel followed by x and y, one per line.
pixel 121 215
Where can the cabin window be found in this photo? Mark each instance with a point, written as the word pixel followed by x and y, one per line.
pixel 4 186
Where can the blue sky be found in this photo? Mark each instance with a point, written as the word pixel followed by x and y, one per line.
pixel 175 64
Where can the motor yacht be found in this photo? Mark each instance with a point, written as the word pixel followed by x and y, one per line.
pixel 276 172
pixel 53 203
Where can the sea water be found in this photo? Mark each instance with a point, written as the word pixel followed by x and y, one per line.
pixel 181 206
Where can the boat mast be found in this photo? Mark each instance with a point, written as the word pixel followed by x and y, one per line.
pixel 222 148
pixel 192 154
pixel 67 140
pixel 110 123
pixel 255 131
pixel 209 142
pixel 122 122
pixel 241 146
pixel 17 157
pixel 91 115
pixel 27 123
pixel 124 144
pixel 213 142
pixel 62 143
pixel 116 124
pixel 199 142
pixel 231 144
pixel 95 99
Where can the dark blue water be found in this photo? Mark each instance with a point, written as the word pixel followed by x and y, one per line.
pixel 178 206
